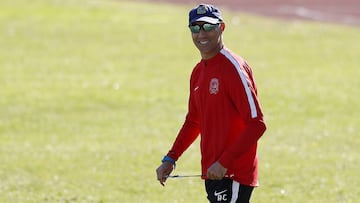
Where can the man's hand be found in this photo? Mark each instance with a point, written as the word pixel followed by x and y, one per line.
pixel 164 171
pixel 216 171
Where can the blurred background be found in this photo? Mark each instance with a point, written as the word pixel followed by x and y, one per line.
pixel 93 93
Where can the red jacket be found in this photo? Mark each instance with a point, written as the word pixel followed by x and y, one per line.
pixel 224 109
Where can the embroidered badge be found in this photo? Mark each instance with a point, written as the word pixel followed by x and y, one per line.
pixel 201 10
pixel 214 86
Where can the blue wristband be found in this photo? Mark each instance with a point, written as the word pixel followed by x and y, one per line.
pixel 168 159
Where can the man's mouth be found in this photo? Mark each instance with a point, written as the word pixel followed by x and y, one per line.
pixel 203 42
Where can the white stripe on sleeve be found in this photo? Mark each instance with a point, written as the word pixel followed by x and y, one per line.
pixel 244 82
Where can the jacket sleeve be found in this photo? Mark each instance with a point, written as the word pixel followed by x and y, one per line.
pixel 244 96
pixel 190 129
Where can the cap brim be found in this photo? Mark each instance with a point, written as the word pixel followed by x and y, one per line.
pixel 206 19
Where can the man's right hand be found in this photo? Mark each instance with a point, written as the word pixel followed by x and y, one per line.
pixel 163 171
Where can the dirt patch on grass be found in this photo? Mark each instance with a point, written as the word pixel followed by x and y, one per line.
pixel 331 11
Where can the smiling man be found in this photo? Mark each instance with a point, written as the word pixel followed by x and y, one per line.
pixel 224 110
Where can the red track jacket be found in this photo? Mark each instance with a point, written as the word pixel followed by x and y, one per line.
pixel 224 109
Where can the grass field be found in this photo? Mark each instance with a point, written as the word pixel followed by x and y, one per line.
pixel 92 94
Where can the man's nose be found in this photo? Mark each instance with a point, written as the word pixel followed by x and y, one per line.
pixel 202 32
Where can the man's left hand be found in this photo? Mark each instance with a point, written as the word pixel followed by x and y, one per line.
pixel 216 171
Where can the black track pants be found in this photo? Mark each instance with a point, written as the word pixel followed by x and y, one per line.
pixel 227 190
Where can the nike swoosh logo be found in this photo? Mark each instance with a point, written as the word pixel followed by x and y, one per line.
pixel 219 193
pixel 196 88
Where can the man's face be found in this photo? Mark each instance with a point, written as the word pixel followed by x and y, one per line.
pixel 208 42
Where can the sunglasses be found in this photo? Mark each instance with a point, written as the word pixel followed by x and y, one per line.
pixel 206 27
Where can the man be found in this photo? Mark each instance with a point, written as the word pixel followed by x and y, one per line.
pixel 224 109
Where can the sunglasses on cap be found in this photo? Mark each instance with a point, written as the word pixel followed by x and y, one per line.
pixel 206 27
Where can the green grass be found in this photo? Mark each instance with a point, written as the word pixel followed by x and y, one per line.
pixel 93 93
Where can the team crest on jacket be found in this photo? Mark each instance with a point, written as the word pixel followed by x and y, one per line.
pixel 214 86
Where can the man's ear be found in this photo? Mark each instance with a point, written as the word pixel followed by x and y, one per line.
pixel 222 26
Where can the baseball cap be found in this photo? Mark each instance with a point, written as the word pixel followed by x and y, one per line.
pixel 205 12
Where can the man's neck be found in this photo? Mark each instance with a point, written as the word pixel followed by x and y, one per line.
pixel 206 56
